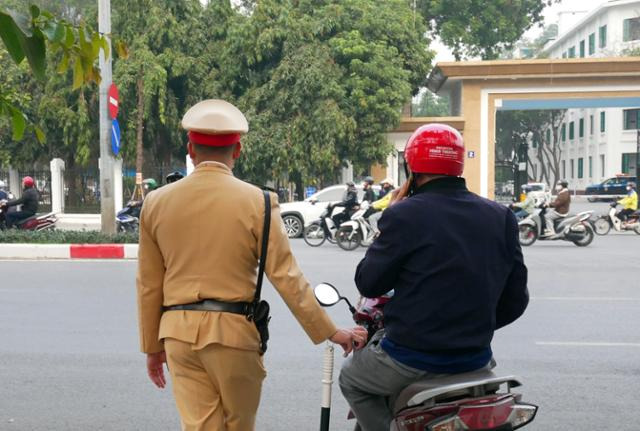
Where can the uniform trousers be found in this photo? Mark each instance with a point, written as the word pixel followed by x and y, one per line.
pixel 217 388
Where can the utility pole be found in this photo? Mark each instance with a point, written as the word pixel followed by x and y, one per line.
pixel 638 157
pixel 107 161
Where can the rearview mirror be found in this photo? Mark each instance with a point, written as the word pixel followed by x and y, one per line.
pixel 326 294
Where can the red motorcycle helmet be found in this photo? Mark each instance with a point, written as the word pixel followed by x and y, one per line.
pixel 435 149
pixel 28 182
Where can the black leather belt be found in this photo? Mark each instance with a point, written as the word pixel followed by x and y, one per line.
pixel 244 308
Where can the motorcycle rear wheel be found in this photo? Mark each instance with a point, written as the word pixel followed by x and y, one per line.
pixel 347 239
pixel 527 235
pixel 588 236
pixel 602 226
pixel 314 235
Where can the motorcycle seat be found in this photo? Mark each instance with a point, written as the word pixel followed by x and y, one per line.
pixel 23 221
pixel 472 384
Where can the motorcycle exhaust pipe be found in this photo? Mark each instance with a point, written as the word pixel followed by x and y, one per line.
pixel 575 236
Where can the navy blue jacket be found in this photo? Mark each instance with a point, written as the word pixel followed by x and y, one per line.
pixel 456 266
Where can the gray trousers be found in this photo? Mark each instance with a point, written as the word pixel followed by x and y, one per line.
pixel 369 377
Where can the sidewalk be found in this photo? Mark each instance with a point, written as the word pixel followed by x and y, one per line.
pixel 68 251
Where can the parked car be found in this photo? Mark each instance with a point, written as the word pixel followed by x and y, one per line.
pixel 297 215
pixel 613 187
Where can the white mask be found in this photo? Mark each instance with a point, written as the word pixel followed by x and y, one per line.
pixel 558 188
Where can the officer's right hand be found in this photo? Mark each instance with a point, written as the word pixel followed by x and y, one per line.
pixel 155 370
pixel 349 339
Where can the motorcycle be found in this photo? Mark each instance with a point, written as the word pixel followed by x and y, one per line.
pixel 321 230
pixel 127 219
pixel 576 229
pixel 35 222
pixel 467 401
pixel 604 223
pixel 356 231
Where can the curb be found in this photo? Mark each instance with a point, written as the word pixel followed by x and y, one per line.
pixel 69 251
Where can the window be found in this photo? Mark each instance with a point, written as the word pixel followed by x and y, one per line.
pixel 564 54
pixel 631 29
pixel 603 126
pixel 571 162
pixel 582 52
pixel 628 160
pixel 592 43
pixel 602 165
pixel 631 119
pixel 563 132
pixel 572 52
pixel 591 124
pixel 603 36
pixel 580 167
pixel 330 195
pixel 590 167
pixel 581 128
pixel 548 136
pixel 571 131
pixel 564 169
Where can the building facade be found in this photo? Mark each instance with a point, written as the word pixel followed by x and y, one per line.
pixel 597 142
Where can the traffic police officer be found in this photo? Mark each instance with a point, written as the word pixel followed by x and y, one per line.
pixel 200 239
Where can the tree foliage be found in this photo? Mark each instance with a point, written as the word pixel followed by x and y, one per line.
pixel 481 28
pixel 72 46
pixel 430 105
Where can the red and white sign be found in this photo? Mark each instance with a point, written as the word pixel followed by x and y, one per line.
pixel 113 101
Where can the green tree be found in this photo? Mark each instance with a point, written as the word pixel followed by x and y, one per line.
pixel 321 82
pixel 480 28
pixel 430 105
pixel 28 36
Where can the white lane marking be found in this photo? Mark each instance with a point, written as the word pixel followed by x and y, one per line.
pixel 585 344
pixel 584 298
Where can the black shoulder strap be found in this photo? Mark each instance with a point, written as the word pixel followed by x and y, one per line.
pixel 265 243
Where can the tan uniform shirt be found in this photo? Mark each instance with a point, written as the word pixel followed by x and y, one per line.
pixel 200 239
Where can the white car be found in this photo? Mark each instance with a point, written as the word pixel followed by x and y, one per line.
pixel 538 191
pixel 297 215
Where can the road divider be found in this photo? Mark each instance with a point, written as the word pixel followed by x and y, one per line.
pixel 68 251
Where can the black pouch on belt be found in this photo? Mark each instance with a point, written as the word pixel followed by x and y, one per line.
pixel 260 312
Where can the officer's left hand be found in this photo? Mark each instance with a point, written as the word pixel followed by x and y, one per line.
pixel 155 368
pixel 350 339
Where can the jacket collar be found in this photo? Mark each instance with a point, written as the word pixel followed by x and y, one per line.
pixel 211 166
pixel 443 184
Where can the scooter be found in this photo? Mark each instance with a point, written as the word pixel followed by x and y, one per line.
pixel 321 230
pixel 127 219
pixel 35 222
pixel 604 223
pixel 576 229
pixel 461 402
pixel 356 231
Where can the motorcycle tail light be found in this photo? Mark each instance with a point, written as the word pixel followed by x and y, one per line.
pixel 451 423
pixel 522 414
pixel 487 417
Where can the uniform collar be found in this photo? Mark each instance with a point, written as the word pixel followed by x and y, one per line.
pixel 213 166
pixel 442 185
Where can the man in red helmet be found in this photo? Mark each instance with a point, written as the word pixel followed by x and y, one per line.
pixel 28 200
pixel 456 268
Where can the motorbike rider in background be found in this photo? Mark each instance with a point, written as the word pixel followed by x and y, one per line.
pixel 3 194
pixel 525 208
pixel 29 201
pixel 173 177
pixel 349 202
pixel 454 283
pixel 629 203
pixel 369 194
pixel 386 187
pixel 560 207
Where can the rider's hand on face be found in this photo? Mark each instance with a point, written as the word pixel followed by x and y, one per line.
pixel 401 192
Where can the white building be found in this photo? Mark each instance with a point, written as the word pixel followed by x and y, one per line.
pixel 598 142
